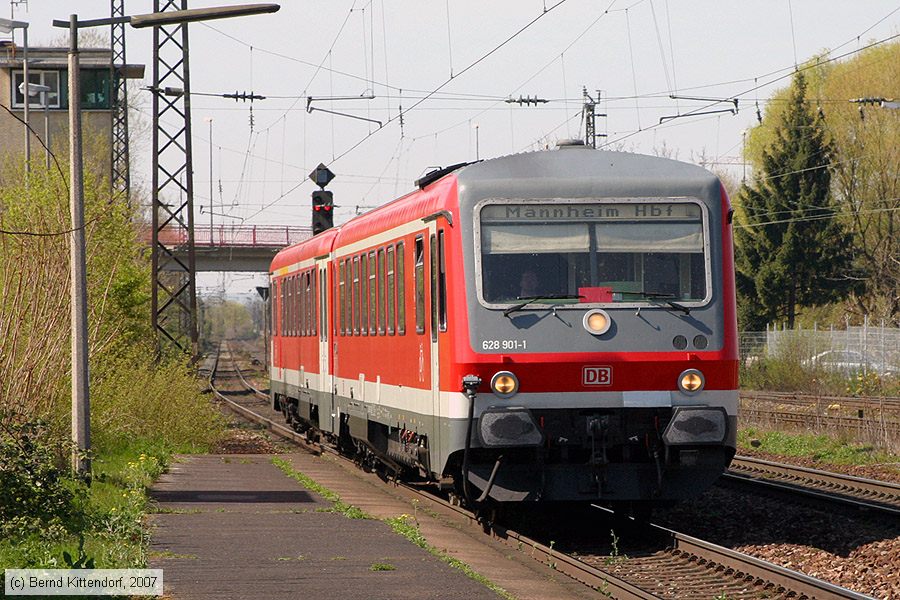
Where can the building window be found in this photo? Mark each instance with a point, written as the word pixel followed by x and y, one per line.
pixel 94 88
pixel 48 78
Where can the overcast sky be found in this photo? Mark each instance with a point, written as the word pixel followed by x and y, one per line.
pixel 637 52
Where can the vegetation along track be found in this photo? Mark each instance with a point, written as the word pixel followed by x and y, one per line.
pixel 669 564
pixel 867 494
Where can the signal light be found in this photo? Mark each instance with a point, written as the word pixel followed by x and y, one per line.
pixel 323 211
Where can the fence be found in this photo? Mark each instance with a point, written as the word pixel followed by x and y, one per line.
pixel 854 349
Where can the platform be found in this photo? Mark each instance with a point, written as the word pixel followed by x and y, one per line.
pixel 235 527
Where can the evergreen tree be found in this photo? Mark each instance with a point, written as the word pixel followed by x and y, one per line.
pixel 791 251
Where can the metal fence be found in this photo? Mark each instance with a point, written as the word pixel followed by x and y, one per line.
pixel 854 349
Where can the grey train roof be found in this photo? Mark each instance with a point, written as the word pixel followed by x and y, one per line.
pixel 576 171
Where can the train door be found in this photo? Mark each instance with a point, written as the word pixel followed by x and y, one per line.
pixel 326 379
pixel 277 323
pixel 433 326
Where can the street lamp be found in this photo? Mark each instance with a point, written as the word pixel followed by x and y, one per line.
pixel 81 419
pixel 33 89
pixel 8 26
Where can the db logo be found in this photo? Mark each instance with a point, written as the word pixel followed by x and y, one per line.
pixel 597 376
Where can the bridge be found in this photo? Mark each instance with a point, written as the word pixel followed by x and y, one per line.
pixel 229 247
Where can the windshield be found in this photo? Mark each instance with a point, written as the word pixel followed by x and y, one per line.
pixel 636 252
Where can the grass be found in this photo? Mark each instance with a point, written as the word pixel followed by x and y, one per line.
pixel 821 448
pixel 403 525
pixel 379 566
pixel 111 512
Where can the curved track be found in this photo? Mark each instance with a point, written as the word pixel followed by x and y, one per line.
pixel 685 567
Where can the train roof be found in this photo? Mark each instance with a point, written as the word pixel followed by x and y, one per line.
pixel 565 171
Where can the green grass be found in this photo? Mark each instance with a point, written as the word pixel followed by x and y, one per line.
pixel 111 514
pixel 379 566
pixel 821 448
pixel 403 525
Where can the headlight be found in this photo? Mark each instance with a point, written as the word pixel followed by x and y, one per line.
pixel 504 384
pixel 691 381
pixel 596 321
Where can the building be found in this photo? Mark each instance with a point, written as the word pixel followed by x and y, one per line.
pixel 49 67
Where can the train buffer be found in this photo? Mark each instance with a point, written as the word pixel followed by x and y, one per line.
pixel 235 527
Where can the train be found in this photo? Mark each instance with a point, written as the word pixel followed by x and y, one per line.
pixel 550 326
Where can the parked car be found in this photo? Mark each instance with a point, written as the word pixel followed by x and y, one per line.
pixel 850 361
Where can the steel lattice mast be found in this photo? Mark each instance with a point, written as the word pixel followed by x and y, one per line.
pixel 174 295
pixel 120 177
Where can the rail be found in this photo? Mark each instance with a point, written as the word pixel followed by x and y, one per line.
pixel 722 563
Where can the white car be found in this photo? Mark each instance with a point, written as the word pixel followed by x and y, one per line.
pixel 850 361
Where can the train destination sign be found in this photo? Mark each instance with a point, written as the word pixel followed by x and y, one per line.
pixel 638 211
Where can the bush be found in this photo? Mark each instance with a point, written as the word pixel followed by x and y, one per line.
pixel 36 495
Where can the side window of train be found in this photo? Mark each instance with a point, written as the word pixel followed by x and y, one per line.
pixel 280 289
pixel 373 293
pixel 290 306
pixel 401 291
pixel 355 295
pixel 300 304
pixel 311 328
pixel 389 290
pixel 348 293
pixel 442 282
pixel 420 285
pixel 363 295
pixel 380 286
pixel 433 267
pixel 340 294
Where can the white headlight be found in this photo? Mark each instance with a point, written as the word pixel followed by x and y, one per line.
pixel 596 321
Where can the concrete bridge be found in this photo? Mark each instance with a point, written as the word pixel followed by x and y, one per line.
pixel 230 247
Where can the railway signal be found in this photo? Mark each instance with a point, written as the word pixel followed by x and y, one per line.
pixel 323 211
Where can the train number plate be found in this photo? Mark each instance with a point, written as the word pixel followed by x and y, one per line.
pixel 597 376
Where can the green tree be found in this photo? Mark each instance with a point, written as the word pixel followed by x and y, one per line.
pixel 865 171
pixel 791 251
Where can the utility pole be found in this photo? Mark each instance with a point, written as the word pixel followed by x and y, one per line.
pixel 590 130
pixel 174 287
pixel 119 164
pixel 210 121
pixel 81 424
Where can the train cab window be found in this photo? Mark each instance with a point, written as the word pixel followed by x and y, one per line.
pixel 390 289
pixel 380 294
pixel 373 293
pixel 420 285
pixel 605 252
pixel 355 302
pixel 401 292
pixel 442 283
pixel 363 295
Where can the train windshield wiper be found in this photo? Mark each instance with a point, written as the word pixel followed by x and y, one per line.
pixel 529 299
pixel 658 297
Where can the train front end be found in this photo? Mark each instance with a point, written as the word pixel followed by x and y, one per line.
pixel 601 361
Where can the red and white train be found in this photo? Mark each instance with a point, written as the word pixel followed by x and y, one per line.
pixel 555 325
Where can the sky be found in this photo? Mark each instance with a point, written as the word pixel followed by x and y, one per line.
pixel 450 66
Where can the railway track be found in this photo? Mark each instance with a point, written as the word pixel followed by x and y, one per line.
pixel 886 403
pixel 866 494
pixel 679 567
